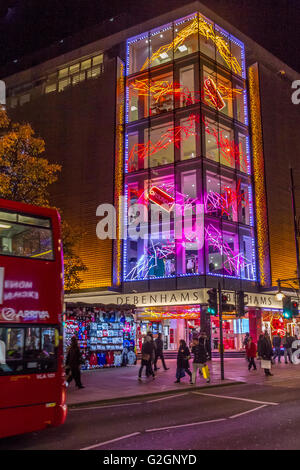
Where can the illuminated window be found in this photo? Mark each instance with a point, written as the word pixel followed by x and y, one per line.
pixel 187 139
pixel 186 33
pixel 51 88
pixel 62 84
pixel 74 68
pixel 187 86
pixel 227 146
pixel 211 140
pixel 161 47
pixel 86 64
pixel 160 145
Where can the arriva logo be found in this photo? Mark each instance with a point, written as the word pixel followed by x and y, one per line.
pixel 9 314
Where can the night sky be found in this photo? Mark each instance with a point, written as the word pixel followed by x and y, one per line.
pixel 29 25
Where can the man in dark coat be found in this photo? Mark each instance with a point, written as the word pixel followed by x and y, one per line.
pixel 200 352
pixel 73 362
pixel 265 350
pixel 159 352
pixel 276 345
pixel 183 366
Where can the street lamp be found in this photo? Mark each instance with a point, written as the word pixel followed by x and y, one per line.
pixel 279 295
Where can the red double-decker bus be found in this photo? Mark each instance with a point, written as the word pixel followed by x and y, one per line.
pixel 32 390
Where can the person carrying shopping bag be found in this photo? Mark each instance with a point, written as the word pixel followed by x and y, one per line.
pixel 183 357
pixel 265 353
pixel 199 350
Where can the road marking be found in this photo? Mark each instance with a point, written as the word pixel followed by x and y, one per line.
pixel 186 425
pixel 247 412
pixel 166 398
pixel 112 440
pixel 237 398
pixel 105 406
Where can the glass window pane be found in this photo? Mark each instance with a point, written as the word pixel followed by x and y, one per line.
pixel 62 84
pixel 11 350
pixel 211 139
pixel 32 346
pixel 86 64
pixel 34 221
pixel 25 241
pixel 161 144
pixel 213 200
pixel 187 86
pixel 135 152
pixel 74 68
pixel 243 152
pixel 161 93
pixel 51 88
pixel 239 95
pixel 139 54
pixel 223 52
pixel 161 46
pixel 63 73
pixel 206 33
pixel 98 59
pixel 227 146
pixel 139 96
pixel 185 37
pixel 187 138
pixel 229 199
pixel 247 266
pixel 244 203
pixel 236 51
pixel 96 71
pixel 224 88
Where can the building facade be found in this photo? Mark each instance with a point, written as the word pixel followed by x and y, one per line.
pixel 181 112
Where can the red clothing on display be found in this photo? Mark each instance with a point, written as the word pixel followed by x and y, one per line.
pixel 110 358
pixel 251 349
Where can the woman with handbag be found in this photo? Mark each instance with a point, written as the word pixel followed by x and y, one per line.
pixel 147 351
pixel 265 352
pixel 183 366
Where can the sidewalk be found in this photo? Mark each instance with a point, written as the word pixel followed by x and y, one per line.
pixel 117 383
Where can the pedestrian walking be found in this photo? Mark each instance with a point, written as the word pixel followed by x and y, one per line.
pixel 159 352
pixel 287 344
pixel 153 345
pixel 251 353
pixel 73 362
pixel 277 347
pixel 199 350
pixel 265 352
pixel 183 357
pixel 147 350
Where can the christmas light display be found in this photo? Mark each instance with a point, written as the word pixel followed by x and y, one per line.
pixel 206 30
pixel 214 94
pixel 150 260
pixel 227 201
pixel 161 198
pixel 232 262
pixel 174 135
pixel 229 150
pixel 259 178
pixel 163 88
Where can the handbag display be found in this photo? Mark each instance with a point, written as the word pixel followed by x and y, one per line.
pixel 265 364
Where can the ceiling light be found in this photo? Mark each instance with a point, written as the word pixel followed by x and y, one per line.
pixel 5 226
pixel 182 48
pixel 164 55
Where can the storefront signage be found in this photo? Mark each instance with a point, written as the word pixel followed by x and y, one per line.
pixel 178 297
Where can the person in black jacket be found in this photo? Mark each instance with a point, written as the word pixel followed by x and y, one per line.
pixel 276 345
pixel 147 351
pixel 183 357
pixel 73 362
pixel 265 350
pixel 200 352
pixel 159 352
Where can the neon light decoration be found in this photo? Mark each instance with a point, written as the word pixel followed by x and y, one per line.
pixel 161 198
pixel 234 261
pixel 228 148
pixel 205 29
pixel 156 89
pixel 214 94
pixel 227 201
pixel 152 260
pixel 174 135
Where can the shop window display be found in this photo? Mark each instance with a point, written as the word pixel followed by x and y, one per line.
pixel 185 43
pixel 161 47
pixel 162 92
pixel 187 86
pixel 106 335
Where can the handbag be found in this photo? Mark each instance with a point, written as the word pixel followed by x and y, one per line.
pixel 264 364
pixel 205 372
pixel 180 373
pixel 146 357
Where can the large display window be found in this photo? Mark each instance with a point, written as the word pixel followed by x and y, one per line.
pixel 187 143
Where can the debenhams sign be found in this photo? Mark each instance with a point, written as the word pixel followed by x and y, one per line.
pixel 184 297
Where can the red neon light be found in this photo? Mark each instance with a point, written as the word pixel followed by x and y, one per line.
pixel 228 148
pixel 161 198
pixel 173 135
pixel 214 93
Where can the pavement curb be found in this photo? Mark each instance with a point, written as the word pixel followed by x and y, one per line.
pixel 150 395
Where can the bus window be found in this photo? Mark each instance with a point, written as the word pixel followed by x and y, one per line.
pixel 25 236
pixel 28 350
pixel 11 350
